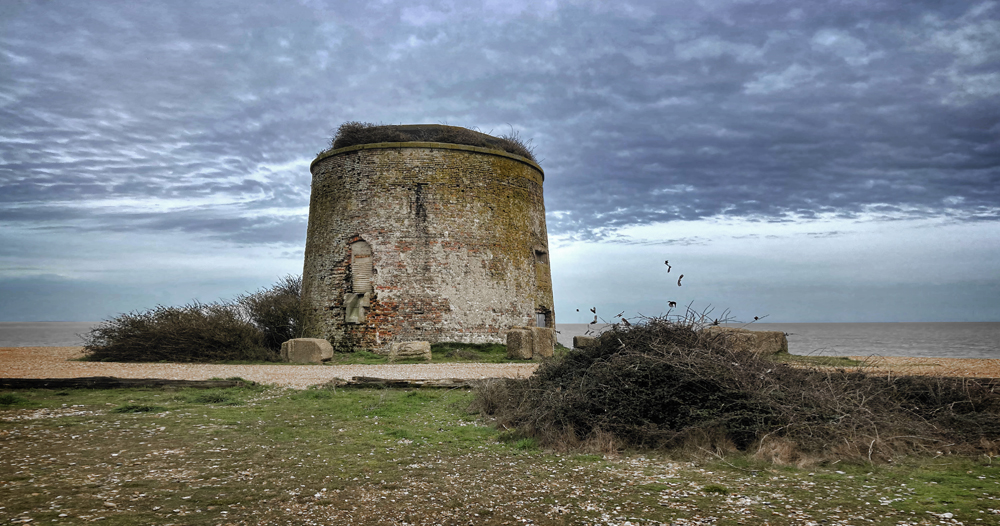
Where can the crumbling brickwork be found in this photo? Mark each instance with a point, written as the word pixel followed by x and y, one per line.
pixel 448 243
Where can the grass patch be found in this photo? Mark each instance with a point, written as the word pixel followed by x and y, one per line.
pixel 823 361
pixel 526 444
pixel 404 434
pixel 213 398
pixel 469 352
pixel 12 399
pixel 332 458
pixel 316 393
pixel 231 396
pixel 715 488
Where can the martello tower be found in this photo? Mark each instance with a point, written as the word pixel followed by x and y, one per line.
pixel 425 240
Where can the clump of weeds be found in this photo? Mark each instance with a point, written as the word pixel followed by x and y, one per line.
pixel 12 399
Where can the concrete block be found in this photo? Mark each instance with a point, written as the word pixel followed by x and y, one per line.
pixel 757 342
pixel 520 341
pixel 582 342
pixel 306 350
pixel 410 350
pixel 543 342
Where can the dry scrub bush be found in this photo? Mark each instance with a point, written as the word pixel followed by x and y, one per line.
pixel 251 328
pixel 354 133
pixel 666 384
pixel 277 311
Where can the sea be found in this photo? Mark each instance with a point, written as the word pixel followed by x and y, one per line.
pixel 932 339
pixel 44 333
pixel 942 340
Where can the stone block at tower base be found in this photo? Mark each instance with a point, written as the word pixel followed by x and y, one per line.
pixel 519 343
pixel 544 342
pixel 525 343
pixel 410 350
pixel 306 350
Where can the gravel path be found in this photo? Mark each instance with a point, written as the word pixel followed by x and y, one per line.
pixel 56 362
pixel 53 362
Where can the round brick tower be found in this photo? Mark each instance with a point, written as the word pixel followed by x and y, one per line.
pixel 425 241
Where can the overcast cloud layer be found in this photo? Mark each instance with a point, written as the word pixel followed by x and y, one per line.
pixel 158 152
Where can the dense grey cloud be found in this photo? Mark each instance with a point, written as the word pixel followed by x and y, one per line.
pixel 201 118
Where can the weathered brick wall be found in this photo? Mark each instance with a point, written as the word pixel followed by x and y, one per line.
pixel 458 241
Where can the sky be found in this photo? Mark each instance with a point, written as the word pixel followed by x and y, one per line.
pixel 796 161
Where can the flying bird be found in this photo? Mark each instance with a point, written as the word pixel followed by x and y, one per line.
pixel 593 309
pixel 679 280
pixel 667 263
pixel 619 315
pixel 626 323
pixel 595 320
pixel 671 304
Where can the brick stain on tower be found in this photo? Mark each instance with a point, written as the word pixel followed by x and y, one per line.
pixel 425 241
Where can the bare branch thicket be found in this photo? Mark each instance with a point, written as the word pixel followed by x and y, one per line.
pixel 250 328
pixel 665 383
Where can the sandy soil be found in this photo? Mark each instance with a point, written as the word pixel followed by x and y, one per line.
pixel 57 362
pixel 960 367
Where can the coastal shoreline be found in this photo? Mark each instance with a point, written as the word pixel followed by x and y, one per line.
pixel 61 362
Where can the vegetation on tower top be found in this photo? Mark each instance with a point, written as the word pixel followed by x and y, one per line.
pixel 353 133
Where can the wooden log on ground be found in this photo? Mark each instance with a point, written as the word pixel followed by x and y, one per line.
pixel 394 383
pixel 110 382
